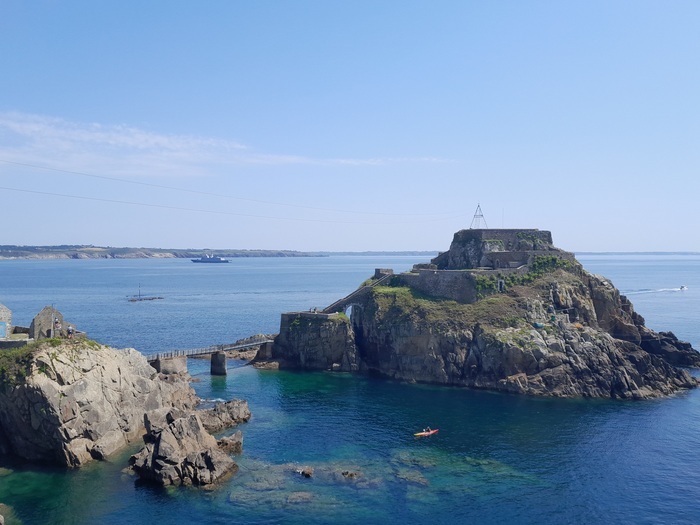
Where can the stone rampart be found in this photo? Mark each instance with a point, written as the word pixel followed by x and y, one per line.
pixel 458 285
pixel 476 248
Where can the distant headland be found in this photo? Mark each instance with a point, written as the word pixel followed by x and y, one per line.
pixel 89 251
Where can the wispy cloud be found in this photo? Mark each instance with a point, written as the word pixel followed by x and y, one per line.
pixel 129 151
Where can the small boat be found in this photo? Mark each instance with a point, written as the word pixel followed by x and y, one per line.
pixel 427 432
pixel 683 287
pixel 139 297
pixel 208 258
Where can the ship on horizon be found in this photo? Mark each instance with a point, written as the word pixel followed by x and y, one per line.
pixel 209 258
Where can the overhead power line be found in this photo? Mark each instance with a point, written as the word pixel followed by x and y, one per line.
pixel 199 210
pixel 212 194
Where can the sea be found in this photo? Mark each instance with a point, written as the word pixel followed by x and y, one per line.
pixel 497 458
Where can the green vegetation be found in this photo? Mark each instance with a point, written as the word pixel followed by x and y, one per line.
pixel 15 364
pixel 497 310
pixel 548 263
pixel 341 317
pixel 92 344
pixel 485 285
pixel 304 322
pixel 540 266
pixel 403 303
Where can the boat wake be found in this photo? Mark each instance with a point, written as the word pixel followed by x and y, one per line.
pixel 658 290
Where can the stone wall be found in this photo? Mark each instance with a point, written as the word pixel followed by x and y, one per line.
pixel 42 324
pixel 469 247
pixel 458 285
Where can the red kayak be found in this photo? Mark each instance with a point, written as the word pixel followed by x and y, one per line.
pixel 426 432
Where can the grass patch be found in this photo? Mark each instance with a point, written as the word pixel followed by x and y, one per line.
pixel 403 303
pixel 15 365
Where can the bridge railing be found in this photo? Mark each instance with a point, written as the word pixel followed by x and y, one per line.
pixel 207 350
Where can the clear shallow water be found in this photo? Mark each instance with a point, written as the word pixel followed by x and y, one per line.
pixel 496 459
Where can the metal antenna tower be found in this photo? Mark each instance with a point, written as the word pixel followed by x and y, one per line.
pixel 478 217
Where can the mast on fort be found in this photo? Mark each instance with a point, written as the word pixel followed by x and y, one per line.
pixel 478 218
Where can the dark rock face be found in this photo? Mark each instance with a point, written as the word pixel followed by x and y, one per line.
pixel 667 346
pixel 317 342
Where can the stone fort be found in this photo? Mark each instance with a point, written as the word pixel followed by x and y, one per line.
pixel 480 252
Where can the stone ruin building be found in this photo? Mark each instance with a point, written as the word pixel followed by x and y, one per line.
pixel 46 324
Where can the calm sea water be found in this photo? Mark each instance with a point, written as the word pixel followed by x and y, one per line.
pixel 497 458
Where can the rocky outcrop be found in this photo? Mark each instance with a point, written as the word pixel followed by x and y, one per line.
pixel 549 328
pixel 576 345
pixel 179 451
pixel 80 401
pixel 232 444
pixel 317 341
pixel 225 415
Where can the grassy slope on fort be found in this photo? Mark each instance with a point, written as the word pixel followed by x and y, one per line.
pixel 491 311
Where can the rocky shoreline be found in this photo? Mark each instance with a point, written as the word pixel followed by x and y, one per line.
pixel 70 402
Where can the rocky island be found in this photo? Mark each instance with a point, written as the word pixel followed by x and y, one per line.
pixel 501 309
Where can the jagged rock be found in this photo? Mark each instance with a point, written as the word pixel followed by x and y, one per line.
pixel 667 346
pixel 225 415
pixel 182 453
pixel 82 401
pixel 232 444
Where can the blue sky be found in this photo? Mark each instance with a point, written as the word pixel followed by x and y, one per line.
pixel 363 125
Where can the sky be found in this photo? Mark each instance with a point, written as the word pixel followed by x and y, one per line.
pixel 349 126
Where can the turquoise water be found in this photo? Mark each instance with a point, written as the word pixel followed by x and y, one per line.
pixel 497 458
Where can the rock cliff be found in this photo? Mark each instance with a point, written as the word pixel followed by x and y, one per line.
pixel 541 325
pixel 72 402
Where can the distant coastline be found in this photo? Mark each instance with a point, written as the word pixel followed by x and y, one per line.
pixel 108 252
pixel 637 253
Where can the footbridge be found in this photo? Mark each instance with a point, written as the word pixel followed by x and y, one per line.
pixel 381 277
pixel 175 361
